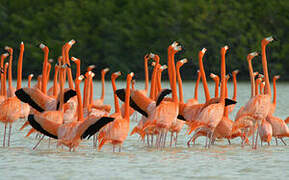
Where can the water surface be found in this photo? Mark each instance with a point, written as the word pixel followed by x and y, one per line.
pixel 136 161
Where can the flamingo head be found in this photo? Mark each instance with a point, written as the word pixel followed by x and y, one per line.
pixel 224 49
pixel 252 55
pixel 266 40
pixel 9 49
pixel 75 60
pixel 5 55
pixel 105 70
pixel 255 74
pixel 235 72
pixel 202 52
pixel 115 75
pixel 176 47
pixel 277 77
pixel 153 63
pixel 6 65
pixel 71 42
pixel 90 68
pixel 213 76
pixel 31 75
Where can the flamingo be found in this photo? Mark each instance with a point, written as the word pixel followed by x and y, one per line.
pixel 211 115
pixel 50 123
pixel 258 107
pixel 103 73
pixel 118 130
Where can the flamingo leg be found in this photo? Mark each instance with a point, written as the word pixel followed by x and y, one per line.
pixel 171 141
pixel 283 141
pixel 229 141
pixel 253 138
pixel 276 140
pixel 148 140
pixel 176 140
pixel 9 134
pixel 113 148
pixel 164 143
pixel 38 142
pixel 119 149
pixel 152 140
pixel 256 142
pixel 4 134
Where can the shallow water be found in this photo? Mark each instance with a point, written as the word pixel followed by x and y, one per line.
pixel 136 161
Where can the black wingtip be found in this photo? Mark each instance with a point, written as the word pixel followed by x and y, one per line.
pixel 229 102
pixel 69 94
pixel 180 117
pixel 94 128
pixel 38 127
pixel 121 95
pixel 162 95
pixel 24 97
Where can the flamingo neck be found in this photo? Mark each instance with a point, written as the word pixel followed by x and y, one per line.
pixel 2 75
pixel 85 92
pixel 235 87
pixel 5 77
pixel 44 69
pixel 256 88
pixel 153 81
pixel 217 80
pixel 226 110
pixel 48 73
pixel 223 78
pixel 127 97
pixel 204 79
pixel 78 69
pixel 39 79
pixel 91 91
pixel 61 100
pixel 251 77
pixel 146 75
pixel 172 76
pixel 79 106
pixel 116 103
pixel 159 81
pixel 55 82
pixel 69 73
pixel 10 70
pixel 265 71
pixel 29 81
pixel 102 86
pixel 180 84
pixel 19 67
pixel 197 85
pixel 275 91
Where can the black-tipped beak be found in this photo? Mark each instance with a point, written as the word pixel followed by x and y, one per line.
pixel 229 102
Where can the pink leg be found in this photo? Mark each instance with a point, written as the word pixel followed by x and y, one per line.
pixel 9 134
pixel 4 135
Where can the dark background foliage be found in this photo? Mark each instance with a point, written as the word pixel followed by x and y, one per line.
pixel 118 33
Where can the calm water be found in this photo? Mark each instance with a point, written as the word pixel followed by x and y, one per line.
pixel 136 161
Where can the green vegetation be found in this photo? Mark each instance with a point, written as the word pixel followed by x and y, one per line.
pixel 118 33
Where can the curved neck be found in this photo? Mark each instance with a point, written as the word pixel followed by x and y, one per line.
pixel 127 97
pixel 251 77
pixel 87 92
pixel 146 74
pixel 180 84
pixel 78 69
pixel 204 79
pixel 19 67
pixel 116 103
pixel 10 70
pixel 265 71
pixel 197 85
pixel 159 81
pixel 235 86
pixel 55 88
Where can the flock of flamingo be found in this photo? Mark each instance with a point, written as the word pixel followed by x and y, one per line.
pixel 63 114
